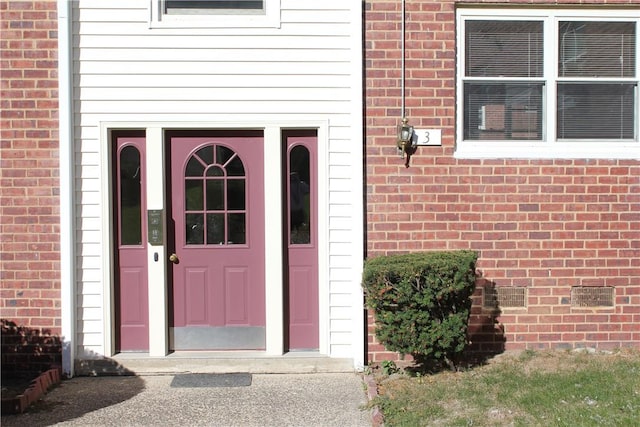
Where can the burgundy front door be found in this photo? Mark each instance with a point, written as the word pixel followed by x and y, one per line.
pixel 302 241
pixel 217 224
pixel 131 291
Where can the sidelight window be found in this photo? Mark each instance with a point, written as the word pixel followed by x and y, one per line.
pixel 130 196
pixel 299 195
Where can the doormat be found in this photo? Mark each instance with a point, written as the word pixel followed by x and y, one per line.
pixel 211 380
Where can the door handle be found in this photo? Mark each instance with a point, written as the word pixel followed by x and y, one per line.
pixel 174 258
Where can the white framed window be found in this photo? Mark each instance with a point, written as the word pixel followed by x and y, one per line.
pixel 214 13
pixel 548 83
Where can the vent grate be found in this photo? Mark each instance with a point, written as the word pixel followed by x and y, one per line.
pixel 505 297
pixel 592 296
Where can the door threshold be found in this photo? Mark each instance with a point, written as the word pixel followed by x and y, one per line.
pixel 230 354
pixel 232 361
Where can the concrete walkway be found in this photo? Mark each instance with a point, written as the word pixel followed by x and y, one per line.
pixel 298 399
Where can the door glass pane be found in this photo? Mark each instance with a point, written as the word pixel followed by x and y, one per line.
pixel 194 226
pixel 235 167
pixel 235 195
pixel 215 229
pixel 206 154
pixel 194 197
pixel 130 197
pixel 299 188
pixel 215 171
pixel 237 229
pixel 215 194
pixel 194 167
pixel 223 154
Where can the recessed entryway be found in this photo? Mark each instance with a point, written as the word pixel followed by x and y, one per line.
pixel 198 212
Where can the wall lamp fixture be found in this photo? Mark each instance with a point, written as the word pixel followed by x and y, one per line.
pixel 406 143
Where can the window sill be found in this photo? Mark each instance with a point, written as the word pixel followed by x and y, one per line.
pixel 547 150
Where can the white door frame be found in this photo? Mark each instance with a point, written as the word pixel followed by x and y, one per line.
pixel 156 195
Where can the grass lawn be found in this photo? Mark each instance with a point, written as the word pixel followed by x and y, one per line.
pixel 555 388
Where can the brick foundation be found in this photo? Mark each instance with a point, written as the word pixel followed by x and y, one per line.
pixel 27 352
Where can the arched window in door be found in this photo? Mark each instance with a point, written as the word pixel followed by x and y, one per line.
pixel 130 201
pixel 299 196
pixel 215 197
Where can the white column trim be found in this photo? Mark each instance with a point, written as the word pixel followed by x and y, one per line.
pixel 324 288
pixel 157 270
pixel 274 293
pixel 107 247
pixel 359 328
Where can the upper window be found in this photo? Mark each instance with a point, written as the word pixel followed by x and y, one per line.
pixel 215 13
pixel 547 84
pixel 191 7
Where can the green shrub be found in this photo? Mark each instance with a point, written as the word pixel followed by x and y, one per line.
pixel 422 302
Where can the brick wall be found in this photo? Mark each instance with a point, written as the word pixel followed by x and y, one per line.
pixel 26 352
pixel 29 205
pixel 545 225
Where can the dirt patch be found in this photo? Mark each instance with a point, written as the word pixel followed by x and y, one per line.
pixel 12 387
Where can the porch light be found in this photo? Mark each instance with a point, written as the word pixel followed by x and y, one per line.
pixel 405 138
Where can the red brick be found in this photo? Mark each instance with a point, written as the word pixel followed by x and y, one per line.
pixel 572 233
pixel 24 279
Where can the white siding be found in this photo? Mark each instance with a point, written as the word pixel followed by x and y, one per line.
pixel 307 69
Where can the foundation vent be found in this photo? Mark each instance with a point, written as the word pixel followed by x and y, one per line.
pixel 592 296
pixel 505 297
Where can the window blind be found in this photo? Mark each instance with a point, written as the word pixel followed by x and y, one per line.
pixel 504 49
pixel 596 49
pixel 596 110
